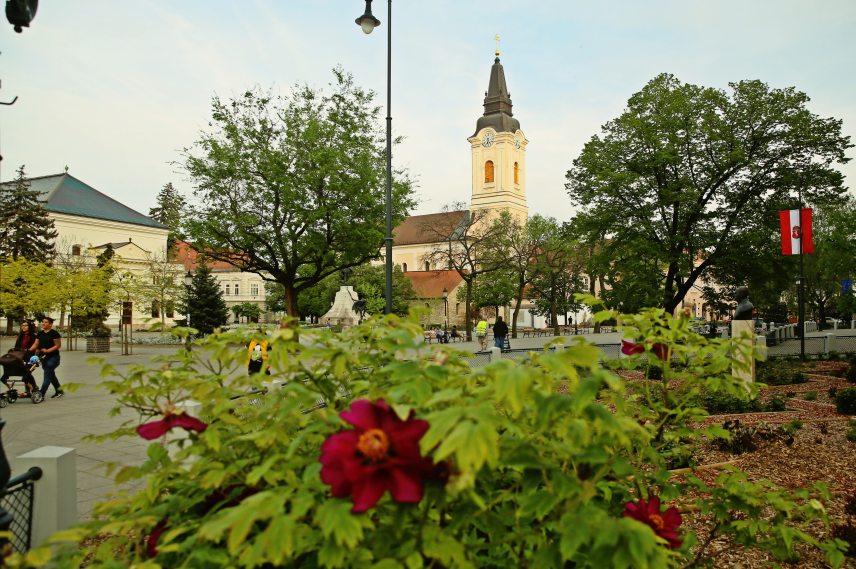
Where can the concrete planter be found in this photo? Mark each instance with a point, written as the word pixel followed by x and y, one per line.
pixel 97 345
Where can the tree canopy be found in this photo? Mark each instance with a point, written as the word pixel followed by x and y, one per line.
pixel 293 187
pixel 688 173
pixel 25 228
pixel 169 212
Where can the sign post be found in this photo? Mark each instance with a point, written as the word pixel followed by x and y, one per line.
pixel 127 323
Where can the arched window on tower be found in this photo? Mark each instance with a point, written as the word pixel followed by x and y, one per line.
pixel 516 173
pixel 488 171
pixel 427 266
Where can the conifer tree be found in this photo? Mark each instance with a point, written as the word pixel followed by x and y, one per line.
pixel 169 212
pixel 204 305
pixel 26 231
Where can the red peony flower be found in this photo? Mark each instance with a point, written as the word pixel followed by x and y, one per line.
pixel 664 524
pixel 631 348
pixel 156 429
pixel 381 453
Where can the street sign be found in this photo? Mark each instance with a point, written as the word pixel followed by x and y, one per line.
pixel 127 312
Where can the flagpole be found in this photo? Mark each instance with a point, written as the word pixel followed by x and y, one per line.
pixel 801 292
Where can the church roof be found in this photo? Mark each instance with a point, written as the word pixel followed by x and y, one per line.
pixel 430 228
pixel 497 103
pixel 189 257
pixel 66 194
pixel 430 284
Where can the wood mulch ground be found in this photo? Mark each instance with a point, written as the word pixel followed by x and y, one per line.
pixel 817 452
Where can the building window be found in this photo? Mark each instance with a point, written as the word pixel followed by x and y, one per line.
pixel 516 173
pixel 236 289
pixel 427 266
pixel 228 290
pixel 488 171
pixel 404 267
pixel 156 309
pixel 457 307
pixel 170 309
pixel 254 289
pixel 75 250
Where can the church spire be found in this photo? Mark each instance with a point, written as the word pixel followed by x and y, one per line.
pixel 497 102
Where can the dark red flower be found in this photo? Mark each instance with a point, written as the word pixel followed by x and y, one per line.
pixel 156 429
pixel 381 453
pixel 631 348
pixel 664 524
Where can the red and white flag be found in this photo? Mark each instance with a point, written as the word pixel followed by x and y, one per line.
pixel 796 231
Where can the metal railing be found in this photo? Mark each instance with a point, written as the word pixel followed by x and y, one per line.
pixel 17 499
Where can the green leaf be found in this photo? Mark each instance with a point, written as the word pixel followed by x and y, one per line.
pixel 335 519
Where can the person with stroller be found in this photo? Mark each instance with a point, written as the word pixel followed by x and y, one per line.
pixel 25 342
pixel 48 343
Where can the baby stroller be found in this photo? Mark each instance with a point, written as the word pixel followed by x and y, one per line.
pixel 15 366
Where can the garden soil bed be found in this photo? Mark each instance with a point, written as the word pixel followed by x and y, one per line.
pixel 818 452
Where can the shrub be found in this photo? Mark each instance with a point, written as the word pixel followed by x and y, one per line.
pixel 792 427
pixel 810 396
pixel 492 467
pixel 851 372
pixel 779 372
pixel 741 438
pixel 845 401
pixel 775 404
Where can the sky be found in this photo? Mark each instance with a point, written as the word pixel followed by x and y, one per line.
pixel 114 90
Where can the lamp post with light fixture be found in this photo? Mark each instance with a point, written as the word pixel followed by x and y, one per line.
pixel 368 23
pixel 446 311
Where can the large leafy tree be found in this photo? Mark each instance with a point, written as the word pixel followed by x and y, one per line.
pixel 556 272
pixel 25 228
pixel 687 173
pixel 292 187
pixel 169 212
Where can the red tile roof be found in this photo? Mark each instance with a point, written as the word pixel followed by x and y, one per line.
pixel 430 284
pixel 429 228
pixel 189 257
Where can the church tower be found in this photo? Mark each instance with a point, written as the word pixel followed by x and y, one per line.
pixel 498 150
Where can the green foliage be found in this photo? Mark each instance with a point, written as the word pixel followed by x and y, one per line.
pixel 845 401
pixel 779 371
pixel 850 376
pixel 204 303
pixel 674 179
pixel 169 212
pixel 26 230
pixel 369 282
pixel 538 476
pixel 810 396
pixel 293 186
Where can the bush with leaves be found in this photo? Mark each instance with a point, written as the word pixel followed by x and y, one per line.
pixel 487 467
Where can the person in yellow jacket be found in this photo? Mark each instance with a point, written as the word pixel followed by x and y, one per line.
pixel 481 334
pixel 257 357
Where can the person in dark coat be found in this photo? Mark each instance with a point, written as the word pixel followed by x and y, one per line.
pixel 500 331
pixel 48 343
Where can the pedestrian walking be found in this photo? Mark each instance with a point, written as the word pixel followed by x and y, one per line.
pixel 48 343
pixel 481 334
pixel 500 331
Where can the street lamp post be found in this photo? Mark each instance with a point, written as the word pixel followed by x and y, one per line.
pixel 368 23
pixel 446 311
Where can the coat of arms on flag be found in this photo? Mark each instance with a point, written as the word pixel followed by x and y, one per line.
pixel 796 231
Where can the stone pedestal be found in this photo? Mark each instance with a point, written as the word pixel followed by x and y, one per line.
pixel 342 312
pixel 97 345
pixel 743 331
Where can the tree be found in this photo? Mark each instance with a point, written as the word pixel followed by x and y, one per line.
pixel 684 175
pixel 23 291
pixel 292 188
pixel 204 304
pixel 522 246
pixel 313 301
pixel 468 244
pixel 25 228
pixel 169 212
pixel 495 292
pixel 369 282
pixel 555 273
pixel 162 286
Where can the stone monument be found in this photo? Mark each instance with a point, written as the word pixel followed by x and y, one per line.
pixel 743 331
pixel 342 312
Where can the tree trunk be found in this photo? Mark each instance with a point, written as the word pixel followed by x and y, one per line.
pixel 517 310
pixel 291 301
pixel 469 317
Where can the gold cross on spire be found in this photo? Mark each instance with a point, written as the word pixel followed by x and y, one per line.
pixel 496 37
